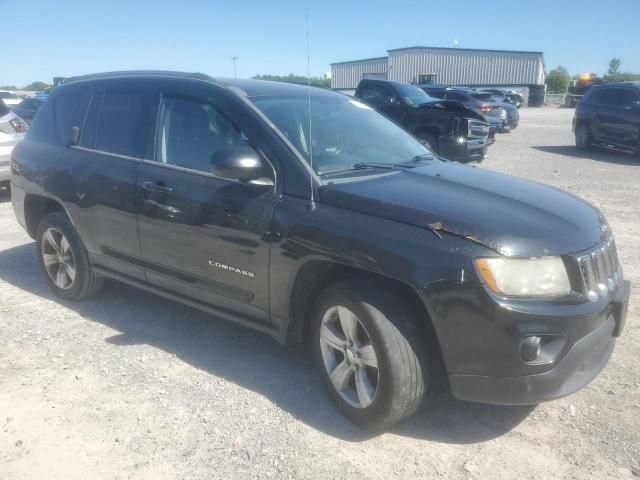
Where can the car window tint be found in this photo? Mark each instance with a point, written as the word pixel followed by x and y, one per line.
pixel 436 93
pixel 611 96
pixel 89 129
pixel 68 111
pixel 593 96
pixel 628 99
pixel 3 109
pixel 456 96
pixel 191 131
pixel 120 128
pixel 375 95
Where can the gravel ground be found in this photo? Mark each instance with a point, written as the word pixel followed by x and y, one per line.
pixel 129 385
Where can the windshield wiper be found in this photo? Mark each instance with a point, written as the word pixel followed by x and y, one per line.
pixel 416 159
pixel 381 166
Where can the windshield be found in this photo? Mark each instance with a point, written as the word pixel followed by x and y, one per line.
pixel 8 95
pixel 344 132
pixel 413 95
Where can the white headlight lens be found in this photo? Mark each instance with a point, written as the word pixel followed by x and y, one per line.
pixel 525 277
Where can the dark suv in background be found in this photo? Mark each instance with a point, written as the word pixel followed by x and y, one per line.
pixel 609 116
pixel 305 214
pixel 449 129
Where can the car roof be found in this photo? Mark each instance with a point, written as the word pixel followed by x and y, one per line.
pixel 633 84
pixel 246 87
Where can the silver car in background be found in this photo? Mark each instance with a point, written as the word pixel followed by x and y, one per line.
pixel 12 131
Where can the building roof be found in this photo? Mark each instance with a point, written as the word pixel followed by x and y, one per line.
pixel 361 60
pixel 463 50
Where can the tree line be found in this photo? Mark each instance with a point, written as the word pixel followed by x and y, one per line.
pixel 33 86
pixel 558 79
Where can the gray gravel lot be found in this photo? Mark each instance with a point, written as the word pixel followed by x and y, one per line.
pixel 129 385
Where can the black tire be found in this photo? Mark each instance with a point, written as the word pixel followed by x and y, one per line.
pixel 430 140
pixel 86 283
pixel 584 138
pixel 397 342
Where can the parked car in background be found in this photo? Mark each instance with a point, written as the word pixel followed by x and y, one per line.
pixel 9 98
pixel 28 108
pixel 505 95
pixel 449 128
pixel 306 215
pixel 503 116
pixel 12 131
pixel 609 115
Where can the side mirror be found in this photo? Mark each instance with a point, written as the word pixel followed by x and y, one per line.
pixel 74 137
pixel 239 163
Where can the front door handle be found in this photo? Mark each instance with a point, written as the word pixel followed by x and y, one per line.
pixel 158 187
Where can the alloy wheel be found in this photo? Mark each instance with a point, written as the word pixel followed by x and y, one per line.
pixel 57 258
pixel 349 357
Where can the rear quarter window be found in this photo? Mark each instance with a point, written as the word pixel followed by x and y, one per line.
pixel 119 128
pixel 68 111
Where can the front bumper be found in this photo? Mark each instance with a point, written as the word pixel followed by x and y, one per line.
pixel 469 149
pixel 481 338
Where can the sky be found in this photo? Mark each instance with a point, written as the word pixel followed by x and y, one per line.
pixel 44 39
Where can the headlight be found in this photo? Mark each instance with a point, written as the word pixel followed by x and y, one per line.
pixel 525 277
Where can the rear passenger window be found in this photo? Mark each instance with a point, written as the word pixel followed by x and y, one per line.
pixel 628 99
pixel 120 128
pixel 88 134
pixel 593 96
pixel 375 95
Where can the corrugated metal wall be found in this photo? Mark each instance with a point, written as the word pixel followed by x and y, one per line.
pixel 467 67
pixel 349 74
pixel 452 66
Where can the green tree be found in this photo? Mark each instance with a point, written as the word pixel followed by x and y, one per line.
pixel 36 86
pixel 299 79
pixel 614 68
pixel 614 74
pixel 558 80
pixel 8 87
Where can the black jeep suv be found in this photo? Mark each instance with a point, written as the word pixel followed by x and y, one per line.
pixel 448 128
pixel 305 214
pixel 609 115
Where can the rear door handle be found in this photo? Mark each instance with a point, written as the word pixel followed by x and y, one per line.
pixel 157 187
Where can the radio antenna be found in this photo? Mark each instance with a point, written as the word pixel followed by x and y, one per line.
pixel 312 204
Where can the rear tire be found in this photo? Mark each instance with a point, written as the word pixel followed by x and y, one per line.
pixel 64 259
pixel 370 353
pixel 584 139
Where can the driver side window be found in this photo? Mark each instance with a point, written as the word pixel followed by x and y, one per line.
pixel 376 96
pixel 190 132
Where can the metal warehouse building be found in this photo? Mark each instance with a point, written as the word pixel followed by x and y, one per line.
pixel 523 71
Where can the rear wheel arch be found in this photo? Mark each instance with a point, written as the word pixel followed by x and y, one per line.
pixel 36 207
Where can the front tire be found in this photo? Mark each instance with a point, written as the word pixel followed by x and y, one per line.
pixel 370 354
pixel 64 259
pixel 584 139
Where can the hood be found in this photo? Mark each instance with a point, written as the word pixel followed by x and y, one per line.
pixel 511 216
pixel 453 106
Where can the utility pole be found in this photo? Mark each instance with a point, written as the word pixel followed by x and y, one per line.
pixel 235 71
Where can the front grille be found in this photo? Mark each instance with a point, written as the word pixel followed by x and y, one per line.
pixel 478 129
pixel 600 270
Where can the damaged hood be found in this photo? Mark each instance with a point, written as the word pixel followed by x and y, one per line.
pixel 453 106
pixel 506 214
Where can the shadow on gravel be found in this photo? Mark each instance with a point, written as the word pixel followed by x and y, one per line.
pixel 251 359
pixel 598 154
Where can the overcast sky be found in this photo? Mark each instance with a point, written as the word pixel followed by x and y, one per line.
pixel 46 39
